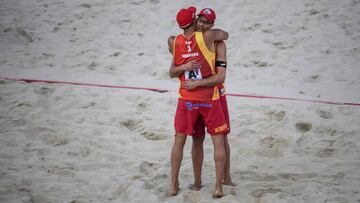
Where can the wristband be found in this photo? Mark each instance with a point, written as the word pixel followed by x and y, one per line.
pixel 221 64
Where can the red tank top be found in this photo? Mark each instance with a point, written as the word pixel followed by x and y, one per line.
pixel 186 50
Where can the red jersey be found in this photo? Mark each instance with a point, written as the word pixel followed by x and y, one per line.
pixel 195 49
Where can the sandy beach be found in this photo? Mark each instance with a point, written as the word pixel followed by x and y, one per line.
pixel 71 143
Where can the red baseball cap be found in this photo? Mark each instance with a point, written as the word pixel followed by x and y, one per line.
pixel 186 16
pixel 208 13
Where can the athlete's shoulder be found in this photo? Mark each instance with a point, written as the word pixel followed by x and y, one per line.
pixel 171 38
pixel 216 34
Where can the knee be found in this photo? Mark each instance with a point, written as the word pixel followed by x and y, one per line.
pixel 198 145
pixel 198 141
pixel 220 157
pixel 180 140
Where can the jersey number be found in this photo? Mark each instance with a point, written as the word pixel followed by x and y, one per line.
pixel 189 48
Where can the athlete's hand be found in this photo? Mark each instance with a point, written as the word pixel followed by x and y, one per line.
pixel 191 65
pixel 190 84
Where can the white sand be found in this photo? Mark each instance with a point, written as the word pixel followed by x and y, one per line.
pixel 63 143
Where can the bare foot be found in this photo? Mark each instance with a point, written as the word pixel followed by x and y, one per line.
pixel 218 193
pixel 195 187
pixel 228 183
pixel 174 189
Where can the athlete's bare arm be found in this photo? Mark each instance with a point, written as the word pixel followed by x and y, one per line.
pixel 212 35
pixel 219 35
pixel 215 79
pixel 171 40
pixel 176 71
pixel 221 51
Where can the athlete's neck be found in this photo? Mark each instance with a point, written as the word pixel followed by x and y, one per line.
pixel 188 33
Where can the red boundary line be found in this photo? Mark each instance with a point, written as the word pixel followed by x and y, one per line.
pixel 294 99
pixel 164 90
pixel 84 84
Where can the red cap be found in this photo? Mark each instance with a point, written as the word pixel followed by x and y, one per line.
pixel 185 16
pixel 208 13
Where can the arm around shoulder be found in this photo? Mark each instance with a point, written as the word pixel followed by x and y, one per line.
pixel 219 34
pixel 176 71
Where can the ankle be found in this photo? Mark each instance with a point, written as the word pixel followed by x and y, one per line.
pixel 197 183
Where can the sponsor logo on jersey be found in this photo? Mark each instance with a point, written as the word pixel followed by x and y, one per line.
pixel 190 105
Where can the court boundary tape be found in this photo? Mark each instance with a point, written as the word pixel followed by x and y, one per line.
pixel 27 80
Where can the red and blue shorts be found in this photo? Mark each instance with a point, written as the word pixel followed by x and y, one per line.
pixel 199 129
pixel 189 112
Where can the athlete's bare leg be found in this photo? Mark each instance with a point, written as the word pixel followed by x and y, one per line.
pixel 176 158
pixel 197 155
pixel 227 177
pixel 219 157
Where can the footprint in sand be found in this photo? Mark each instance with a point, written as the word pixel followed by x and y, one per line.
pixel 47 136
pixel 132 124
pixel 121 189
pixel 303 126
pixel 154 1
pixel 312 79
pixel 325 152
pixel 61 171
pixel 267 30
pixel 142 106
pixel 153 136
pixel 153 177
pixel 254 26
pixel 327 131
pixel 61 142
pixel 82 152
pixel 46 56
pixel 88 105
pixel 325 114
pixel 272 146
pixel 85 5
pixel 159 184
pixel 92 66
pixel 138 2
pixel 346 111
pixel 297 176
pixel 49 139
pixel 279 45
pixel 21 104
pixel 148 168
pixel 22 33
pixel 261 64
pixel 138 126
pixel 31 150
pixel 274 115
pixel 258 193
pixel 44 91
